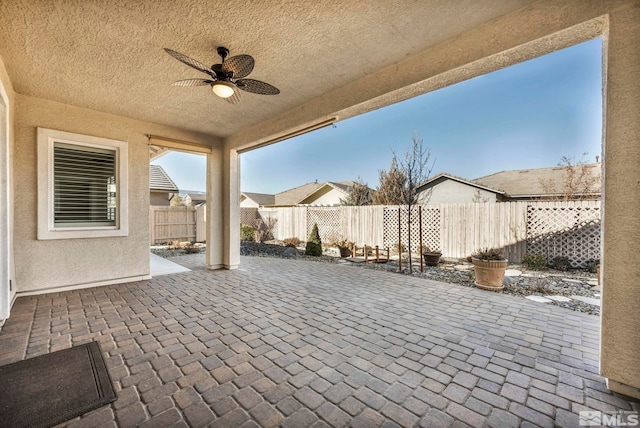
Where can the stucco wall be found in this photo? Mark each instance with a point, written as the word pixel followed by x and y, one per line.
pixel 42 265
pixel 7 99
pixel 453 192
pixel 620 339
pixel 159 198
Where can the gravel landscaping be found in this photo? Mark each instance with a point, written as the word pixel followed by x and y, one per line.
pixel 550 286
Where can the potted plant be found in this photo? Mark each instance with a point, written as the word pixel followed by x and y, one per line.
pixel 489 265
pixel 431 257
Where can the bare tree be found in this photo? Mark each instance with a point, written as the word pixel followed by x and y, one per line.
pixel 478 198
pixel 416 167
pixel 580 181
pixel 359 194
pixel 390 189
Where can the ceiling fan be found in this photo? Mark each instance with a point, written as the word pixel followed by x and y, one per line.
pixel 226 78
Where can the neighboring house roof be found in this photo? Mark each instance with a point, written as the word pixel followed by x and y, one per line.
pixel 197 197
pixel 295 195
pixel 298 194
pixel 538 182
pixel 159 180
pixel 261 198
pixel 439 178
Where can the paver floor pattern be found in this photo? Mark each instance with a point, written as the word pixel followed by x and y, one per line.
pixel 298 344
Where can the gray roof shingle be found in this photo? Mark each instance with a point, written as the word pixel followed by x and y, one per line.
pixel 261 198
pixel 160 180
pixel 538 181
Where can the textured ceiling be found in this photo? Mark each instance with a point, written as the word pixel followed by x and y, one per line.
pixel 108 55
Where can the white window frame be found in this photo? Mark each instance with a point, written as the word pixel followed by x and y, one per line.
pixel 46 227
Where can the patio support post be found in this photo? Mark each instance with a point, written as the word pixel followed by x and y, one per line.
pixel 223 209
pixel 620 332
pixel 231 215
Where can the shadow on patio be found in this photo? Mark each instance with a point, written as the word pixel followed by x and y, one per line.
pixel 295 343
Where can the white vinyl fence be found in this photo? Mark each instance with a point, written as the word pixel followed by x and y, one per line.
pixel 570 229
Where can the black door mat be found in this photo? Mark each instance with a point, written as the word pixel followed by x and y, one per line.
pixel 47 390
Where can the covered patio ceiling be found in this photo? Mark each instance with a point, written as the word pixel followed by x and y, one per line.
pixel 109 56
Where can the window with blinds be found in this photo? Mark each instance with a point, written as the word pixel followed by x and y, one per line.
pixel 84 192
pixel 82 186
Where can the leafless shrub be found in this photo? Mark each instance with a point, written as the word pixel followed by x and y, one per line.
pixel 264 228
pixel 292 242
pixel 580 181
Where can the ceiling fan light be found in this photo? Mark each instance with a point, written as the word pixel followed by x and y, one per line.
pixel 223 89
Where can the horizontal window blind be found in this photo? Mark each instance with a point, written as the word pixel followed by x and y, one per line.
pixel 84 186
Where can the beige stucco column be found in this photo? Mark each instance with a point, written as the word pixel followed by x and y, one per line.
pixel 223 209
pixel 620 341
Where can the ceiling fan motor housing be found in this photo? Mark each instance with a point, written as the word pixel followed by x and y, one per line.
pixel 223 52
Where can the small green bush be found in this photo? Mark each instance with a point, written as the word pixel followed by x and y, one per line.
pixel 560 263
pixel 246 232
pixel 314 243
pixel 534 261
pixel 591 265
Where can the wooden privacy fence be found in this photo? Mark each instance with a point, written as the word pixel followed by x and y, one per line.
pixel 570 229
pixel 176 224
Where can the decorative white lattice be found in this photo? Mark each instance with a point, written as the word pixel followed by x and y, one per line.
pixel 430 228
pixel 567 231
pixel 328 221
pixel 249 216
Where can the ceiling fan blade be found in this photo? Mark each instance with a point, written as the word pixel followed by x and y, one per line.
pixel 189 61
pixel 239 65
pixel 192 82
pixel 257 87
pixel 233 99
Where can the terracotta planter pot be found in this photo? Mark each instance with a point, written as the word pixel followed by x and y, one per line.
pixel 489 273
pixel 431 259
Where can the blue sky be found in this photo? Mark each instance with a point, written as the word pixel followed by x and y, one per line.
pixel 525 116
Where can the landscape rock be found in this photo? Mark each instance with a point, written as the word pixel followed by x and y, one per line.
pixel 559 298
pixel 289 253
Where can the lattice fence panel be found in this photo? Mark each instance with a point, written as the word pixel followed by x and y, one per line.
pixel 430 227
pixel 569 230
pixel 328 220
pixel 248 216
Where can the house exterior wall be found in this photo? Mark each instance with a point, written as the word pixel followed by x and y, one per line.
pixel 159 198
pixel 7 276
pixel 324 196
pixel 620 332
pixel 454 192
pixel 248 203
pixel 43 265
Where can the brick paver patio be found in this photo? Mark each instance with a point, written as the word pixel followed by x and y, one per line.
pixel 300 344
